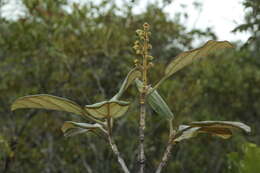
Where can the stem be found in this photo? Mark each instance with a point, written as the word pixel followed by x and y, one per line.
pixel 114 147
pixel 167 152
pixel 142 104
pixel 141 135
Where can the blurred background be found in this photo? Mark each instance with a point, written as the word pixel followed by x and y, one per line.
pixel 82 50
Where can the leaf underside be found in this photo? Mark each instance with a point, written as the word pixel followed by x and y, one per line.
pixel 221 129
pixel 186 58
pixel 45 101
pixel 75 131
pixel 107 109
pixel 71 128
pixel 131 76
pixel 221 124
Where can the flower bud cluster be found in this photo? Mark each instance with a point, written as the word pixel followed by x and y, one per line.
pixel 142 45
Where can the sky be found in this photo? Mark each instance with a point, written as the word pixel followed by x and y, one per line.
pixel 221 15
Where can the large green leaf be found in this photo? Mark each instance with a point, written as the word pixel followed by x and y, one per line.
pixel 131 76
pixel 221 129
pixel 44 101
pixel 156 102
pixel 107 109
pixel 71 128
pixel 186 58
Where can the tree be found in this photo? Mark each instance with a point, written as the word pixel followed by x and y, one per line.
pixel 104 113
pixel 35 59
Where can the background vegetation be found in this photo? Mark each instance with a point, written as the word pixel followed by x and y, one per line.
pixel 81 52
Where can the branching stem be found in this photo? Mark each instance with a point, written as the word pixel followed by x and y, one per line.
pixel 168 149
pixel 115 148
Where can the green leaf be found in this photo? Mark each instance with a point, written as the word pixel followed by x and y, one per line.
pixel 217 128
pixel 71 128
pixel 44 101
pixel 107 109
pixel 131 76
pixel 156 102
pixel 186 58
pixel 75 131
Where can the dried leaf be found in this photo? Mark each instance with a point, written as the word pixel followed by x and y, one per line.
pixel 217 128
pixel 186 132
pixel 221 124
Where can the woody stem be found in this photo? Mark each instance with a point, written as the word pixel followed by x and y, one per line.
pixel 142 106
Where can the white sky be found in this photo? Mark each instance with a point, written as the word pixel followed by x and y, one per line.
pixel 221 15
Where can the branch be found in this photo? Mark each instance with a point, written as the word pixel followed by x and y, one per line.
pixel 86 165
pixel 114 147
pixel 141 133
pixel 168 150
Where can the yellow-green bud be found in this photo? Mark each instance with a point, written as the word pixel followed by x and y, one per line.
pixel 151 64
pixel 146 26
pixel 139 32
pixel 138 52
pixel 136 47
pixel 150 57
pixel 142 37
pixel 137 42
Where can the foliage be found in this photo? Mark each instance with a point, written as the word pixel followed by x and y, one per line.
pixel 251 25
pixel 245 162
pixel 72 56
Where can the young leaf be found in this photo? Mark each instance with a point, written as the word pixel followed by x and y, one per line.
pixel 131 76
pixel 186 58
pixel 71 128
pixel 44 101
pixel 156 102
pixel 70 124
pixel 106 109
pixel 75 131
pixel 217 128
